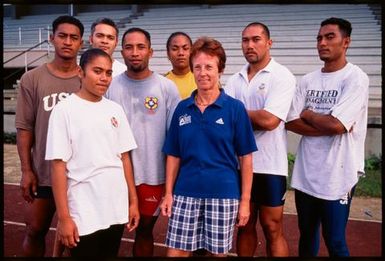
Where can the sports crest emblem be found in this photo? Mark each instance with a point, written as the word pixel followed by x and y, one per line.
pixel 151 103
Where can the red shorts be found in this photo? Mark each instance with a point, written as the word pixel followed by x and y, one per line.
pixel 149 199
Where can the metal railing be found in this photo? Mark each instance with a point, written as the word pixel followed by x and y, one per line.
pixel 26 67
pixel 26 63
pixel 21 30
pixel 29 49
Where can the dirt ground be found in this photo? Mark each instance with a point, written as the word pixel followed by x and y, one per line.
pixel 363 208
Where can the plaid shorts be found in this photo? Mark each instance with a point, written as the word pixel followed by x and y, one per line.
pixel 202 223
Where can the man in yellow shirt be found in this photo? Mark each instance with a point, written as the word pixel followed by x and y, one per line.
pixel 178 52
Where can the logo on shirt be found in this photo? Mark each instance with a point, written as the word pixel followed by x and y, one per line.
pixel 184 119
pixel 220 121
pixel 50 101
pixel 151 103
pixel 320 100
pixel 262 86
pixel 114 122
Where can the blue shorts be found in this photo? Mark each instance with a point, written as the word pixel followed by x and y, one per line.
pixel 202 223
pixel 44 192
pixel 268 190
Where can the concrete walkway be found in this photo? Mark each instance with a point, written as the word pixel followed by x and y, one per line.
pixel 363 230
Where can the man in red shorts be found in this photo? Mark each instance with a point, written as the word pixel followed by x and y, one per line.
pixel 149 100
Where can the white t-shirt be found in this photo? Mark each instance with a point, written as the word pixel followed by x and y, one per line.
pixel 118 68
pixel 90 137
pixel 271 89
pixel 327 166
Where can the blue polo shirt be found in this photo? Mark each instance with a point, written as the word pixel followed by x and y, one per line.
pixel 208 145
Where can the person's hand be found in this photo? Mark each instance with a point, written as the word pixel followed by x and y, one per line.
pixel 67 232
pixel 134 217
pixel 28 185
pixel 306 114
pixel 166 205
pixel 243 213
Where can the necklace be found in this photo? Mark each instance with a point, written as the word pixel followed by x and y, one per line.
pixel 201 103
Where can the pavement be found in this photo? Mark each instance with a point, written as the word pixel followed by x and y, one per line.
pixel 362 208
pixel 364 230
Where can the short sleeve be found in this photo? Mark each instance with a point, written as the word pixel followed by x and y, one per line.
pixel 354 97
pixel 25 116
pixel 173 98
pixel 280 96
pixel 298 102
pixel 58 136
pixel 126 138
pixel 244 137
pixel 171 144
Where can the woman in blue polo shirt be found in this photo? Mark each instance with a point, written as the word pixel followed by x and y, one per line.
pixel 210 134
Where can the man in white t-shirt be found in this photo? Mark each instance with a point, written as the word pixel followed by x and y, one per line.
pixel 330 111
pixel 104 35
pixel 149 100
pixel 266 88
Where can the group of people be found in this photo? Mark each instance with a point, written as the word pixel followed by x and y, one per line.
pixel 109 146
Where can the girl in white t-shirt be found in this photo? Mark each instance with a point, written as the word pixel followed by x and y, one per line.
pixel 88 143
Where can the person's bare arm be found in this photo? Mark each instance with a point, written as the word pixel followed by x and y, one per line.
pixel 28 182
pixel 66 227
pixel 300 127
pixel 263 120
pixel 327 124
pixel 246 169
pixel 172 169
pixel 134 215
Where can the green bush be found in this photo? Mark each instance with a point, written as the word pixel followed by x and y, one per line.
pixel 373 163
pixel 369 185
pixel 9 138
pixel 290 159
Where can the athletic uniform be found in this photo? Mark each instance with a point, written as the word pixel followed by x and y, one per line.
pixel 327 167
pixel 185 83
pixel 40 91
pixel 149 105
pixel 207 188
pixel 271 89
pixel 90 137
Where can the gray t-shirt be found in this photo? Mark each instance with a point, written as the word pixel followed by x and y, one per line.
pixel 149 105
pixel 39 92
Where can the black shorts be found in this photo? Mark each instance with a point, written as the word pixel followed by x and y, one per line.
pixel 101 243
pixel 44 192
pixel 268 190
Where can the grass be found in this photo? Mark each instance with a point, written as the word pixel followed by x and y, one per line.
pixel 368 185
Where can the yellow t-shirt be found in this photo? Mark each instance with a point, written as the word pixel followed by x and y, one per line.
pixel 185 83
